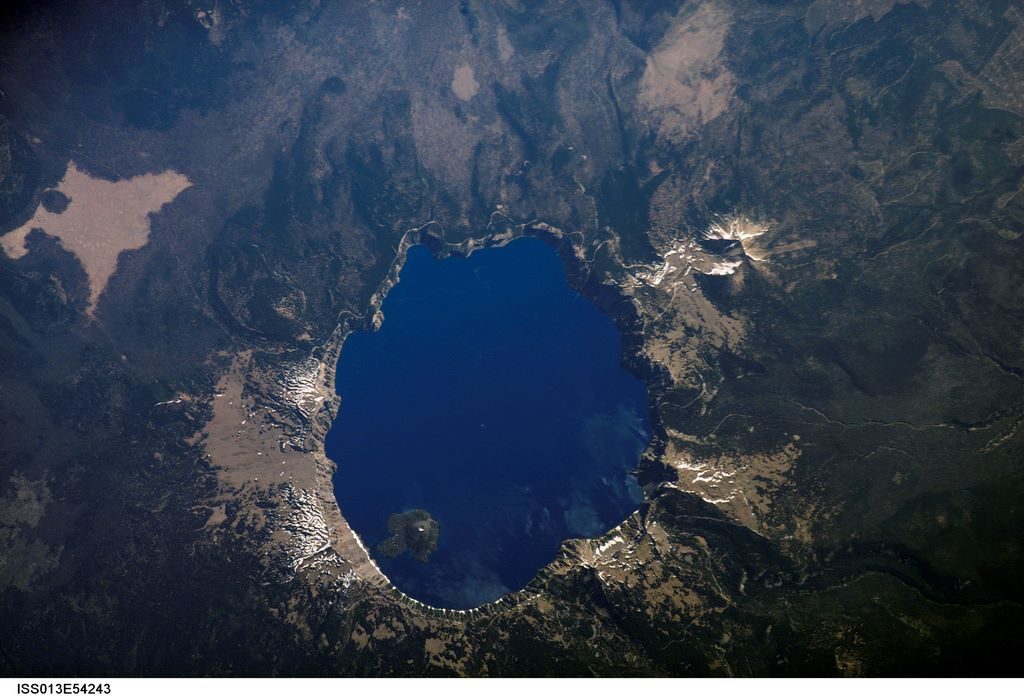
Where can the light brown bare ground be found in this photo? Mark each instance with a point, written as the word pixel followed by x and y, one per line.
pixel 103 219
pixel 685 83
pixel 464 83
pixel 743 485
pixel 247 454
pixel 505 48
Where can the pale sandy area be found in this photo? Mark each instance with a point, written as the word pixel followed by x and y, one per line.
pixel 685 83
pixel 505 48
pixel 464 83
pixel 103 219
pixel 253 462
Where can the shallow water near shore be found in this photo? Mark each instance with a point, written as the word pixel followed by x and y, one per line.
pixel 493 400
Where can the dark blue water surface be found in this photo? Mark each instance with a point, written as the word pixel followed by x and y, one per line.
pixel 493 398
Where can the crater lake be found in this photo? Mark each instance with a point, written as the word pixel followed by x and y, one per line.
pixel 486 421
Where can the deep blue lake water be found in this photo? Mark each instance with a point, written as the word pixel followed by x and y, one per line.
pixel 492 397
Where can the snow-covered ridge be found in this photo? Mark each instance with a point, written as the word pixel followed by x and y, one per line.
pixel 687 257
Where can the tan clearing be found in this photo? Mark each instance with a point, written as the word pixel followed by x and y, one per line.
pixel 505 48
pixel 685 83
pixel 252 462
pixel 464 84
pixel 103 219
pixel 743 485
